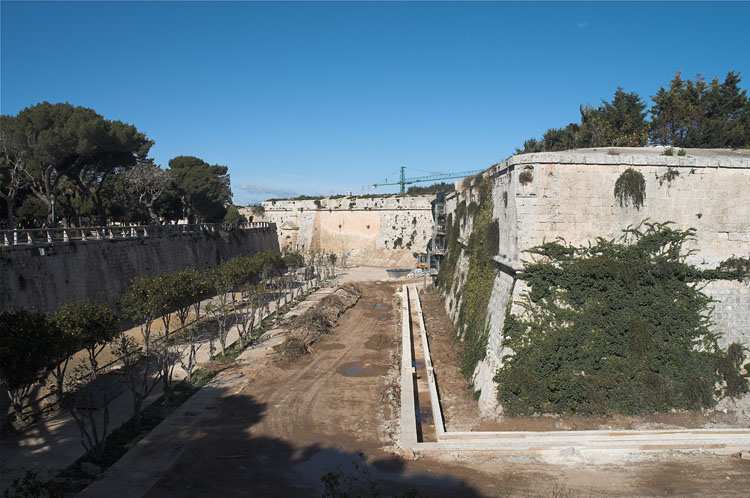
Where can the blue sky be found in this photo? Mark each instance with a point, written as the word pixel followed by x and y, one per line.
pixel 319 98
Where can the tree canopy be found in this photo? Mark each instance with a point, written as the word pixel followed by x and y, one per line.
pixel 97 170
pixel 686 114
pixel 70 153
pixel 204 188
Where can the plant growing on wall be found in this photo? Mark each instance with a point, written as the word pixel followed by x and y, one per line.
pixel 630 188
pixel 668 176
pixel 619 326
pixel 481 247
pixel 525 177
pixel 475 293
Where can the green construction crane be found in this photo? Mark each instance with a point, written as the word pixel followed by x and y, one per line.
pixel 403 181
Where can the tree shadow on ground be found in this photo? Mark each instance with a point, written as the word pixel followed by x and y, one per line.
pixel 226 459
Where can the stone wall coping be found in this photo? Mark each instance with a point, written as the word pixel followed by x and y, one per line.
pixel 343 209
pixel 506 265
pixel 634 156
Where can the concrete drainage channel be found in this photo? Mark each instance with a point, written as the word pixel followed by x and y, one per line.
pixel 426 434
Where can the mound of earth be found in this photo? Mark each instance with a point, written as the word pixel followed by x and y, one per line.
pixel 307 328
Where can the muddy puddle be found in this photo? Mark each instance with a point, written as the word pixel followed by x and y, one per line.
pixel 355 370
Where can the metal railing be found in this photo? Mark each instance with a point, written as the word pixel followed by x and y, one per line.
pixel 34 236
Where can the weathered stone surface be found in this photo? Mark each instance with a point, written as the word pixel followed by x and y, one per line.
pixel 572 197
pixel 101 270
pixel 376 231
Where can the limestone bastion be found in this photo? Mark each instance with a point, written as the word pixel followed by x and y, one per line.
pixel 570 195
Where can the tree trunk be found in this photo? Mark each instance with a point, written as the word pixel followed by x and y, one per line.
pixel 153 215
pixel 10 204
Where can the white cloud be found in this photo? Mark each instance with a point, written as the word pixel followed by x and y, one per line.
pixel 256 190
pixel 583 24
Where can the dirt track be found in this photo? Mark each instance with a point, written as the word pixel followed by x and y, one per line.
pixel 282 425
pixel 288 423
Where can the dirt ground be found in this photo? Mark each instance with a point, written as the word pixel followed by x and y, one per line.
pixel 282 426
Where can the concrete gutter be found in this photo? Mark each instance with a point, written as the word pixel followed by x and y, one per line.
pixel 596 446
pixel 408 406
pixel 437 413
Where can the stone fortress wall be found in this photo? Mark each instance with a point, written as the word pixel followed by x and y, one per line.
pixel 571 196
pixel 43 276
pixel 375 231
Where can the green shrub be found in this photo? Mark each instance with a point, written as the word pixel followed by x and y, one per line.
pixel 619 326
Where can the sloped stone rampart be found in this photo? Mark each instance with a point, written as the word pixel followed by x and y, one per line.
pixel 571 196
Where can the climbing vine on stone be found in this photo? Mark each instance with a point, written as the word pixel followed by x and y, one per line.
pixel 630 188
pixel 620 326
pixel 475 293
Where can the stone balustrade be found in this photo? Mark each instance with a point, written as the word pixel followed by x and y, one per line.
pixel 41 236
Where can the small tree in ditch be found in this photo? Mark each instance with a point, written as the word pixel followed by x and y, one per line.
pixel 139 371
pixel 221 282
pixel 92 389
pixel 90 394
pixel 253 298
pixel 26 353
pixel 67 343
pixel 279 291
pixel 94 325
pixel 192 288
pixel 332 258
pixel 141 306
pixel 167 356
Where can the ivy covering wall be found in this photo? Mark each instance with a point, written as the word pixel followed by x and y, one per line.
pixel 475 291
pixel 619 326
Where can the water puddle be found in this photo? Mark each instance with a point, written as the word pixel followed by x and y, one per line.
pixel 353 370
pixel 383 318
pixel 425 414
pixel 380 307
pixel 417 364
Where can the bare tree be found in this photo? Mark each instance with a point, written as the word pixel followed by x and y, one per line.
pixel 12 156
pixel 167 357
pixel 139 371
pixel 148 182
pixel 91 393
pixel 253 299
pixel 189 354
